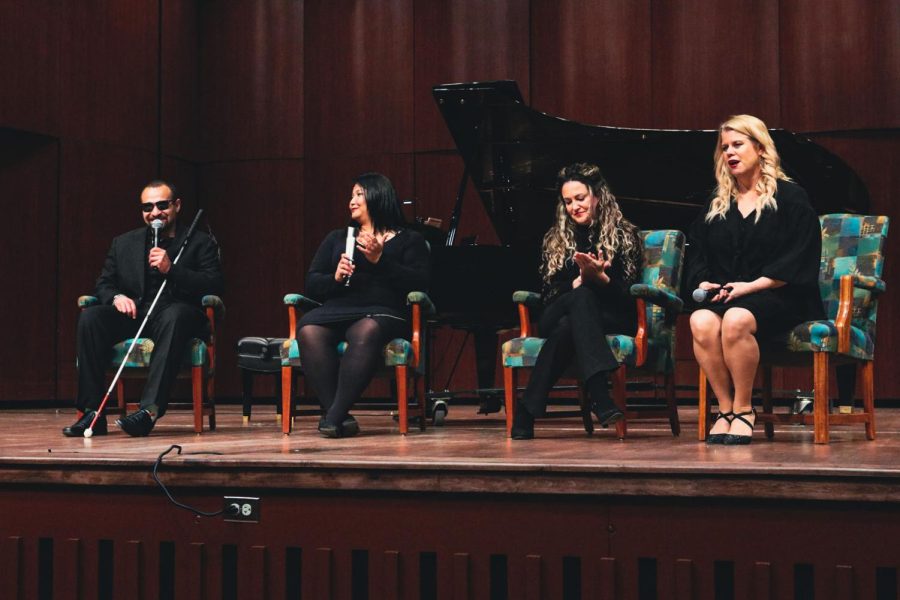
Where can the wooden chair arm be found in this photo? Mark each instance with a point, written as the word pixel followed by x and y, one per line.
pixel 293 302
pixel 641 336
pixel 524 299
pixel 844 314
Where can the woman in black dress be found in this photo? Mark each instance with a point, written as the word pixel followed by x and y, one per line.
pixel 591 256
pixel 755 249
pixel 390 261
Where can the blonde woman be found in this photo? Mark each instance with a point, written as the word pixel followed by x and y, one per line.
pixel 591 256
pixel 755 250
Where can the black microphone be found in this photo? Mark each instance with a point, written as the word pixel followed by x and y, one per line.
pixel 700 295
pixel 349 247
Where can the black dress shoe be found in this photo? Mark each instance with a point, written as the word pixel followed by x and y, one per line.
pixel 523 424
pixel 348 428
pixel 606 416
pixel 78 428
pixel 731 439
pixel 719 438
pixel 137 424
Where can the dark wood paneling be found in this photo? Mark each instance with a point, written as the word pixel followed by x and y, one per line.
pixel 840 64
pixel 99 194
pixel 28 177
pixel 185 177
pixel 180 79
pixel 358 65
pixel 712 60
pixel 29 65
pixel 591 60
pixel 465 40
pixel 251 68
pixel 257 213
pixel 109 72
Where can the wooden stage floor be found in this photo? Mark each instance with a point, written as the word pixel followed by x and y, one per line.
pixel 468 454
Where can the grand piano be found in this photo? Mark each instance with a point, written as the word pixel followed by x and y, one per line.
pixel 661 178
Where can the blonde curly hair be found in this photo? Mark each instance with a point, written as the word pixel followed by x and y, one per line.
pixel 610 232
pixel 769 161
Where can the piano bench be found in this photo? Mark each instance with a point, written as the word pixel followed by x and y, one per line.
pixel 259 356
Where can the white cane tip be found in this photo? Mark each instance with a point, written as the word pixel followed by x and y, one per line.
pixel 88 432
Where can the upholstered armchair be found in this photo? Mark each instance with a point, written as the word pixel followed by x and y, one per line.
pixel 199 363
pixel 650 351
pixel 850 283
pixel 403 359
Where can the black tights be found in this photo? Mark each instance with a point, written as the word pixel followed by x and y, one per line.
pixel 340 381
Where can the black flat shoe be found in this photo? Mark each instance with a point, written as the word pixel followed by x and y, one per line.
pixel 606 416
pixel 523 424
pixel 78 428
pixel 719 438
pixel 741 440
pixel 137 424
pixel 348 428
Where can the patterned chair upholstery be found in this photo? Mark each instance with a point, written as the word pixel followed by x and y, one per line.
pixel 403 359
pixel 850 283
pixel 198 364
pixel 649 352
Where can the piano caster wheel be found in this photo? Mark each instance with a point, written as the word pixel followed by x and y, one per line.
pixel 439 413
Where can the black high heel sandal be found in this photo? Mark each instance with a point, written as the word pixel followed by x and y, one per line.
pixel 719 438
pixel 741 440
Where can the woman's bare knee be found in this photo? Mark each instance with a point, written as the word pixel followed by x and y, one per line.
pixel 737 325
pixel 705 326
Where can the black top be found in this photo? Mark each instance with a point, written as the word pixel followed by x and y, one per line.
pixel 375 289
pixel 785 244
pixel 125 270
pixel 615 294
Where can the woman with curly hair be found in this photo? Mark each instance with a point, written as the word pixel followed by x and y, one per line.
pixel 755 249
pixel 591 256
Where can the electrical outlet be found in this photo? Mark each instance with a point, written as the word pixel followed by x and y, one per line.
pixel 241 509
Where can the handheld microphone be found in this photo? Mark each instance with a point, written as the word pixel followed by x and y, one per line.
pixel 700 295
pixel 156 225
pixel 349 247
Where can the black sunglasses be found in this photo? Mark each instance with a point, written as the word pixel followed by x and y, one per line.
pixel 161 205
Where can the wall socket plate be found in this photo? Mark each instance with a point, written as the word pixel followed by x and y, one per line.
pixel 241 509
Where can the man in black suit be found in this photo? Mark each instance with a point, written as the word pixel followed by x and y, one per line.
pixel 131 277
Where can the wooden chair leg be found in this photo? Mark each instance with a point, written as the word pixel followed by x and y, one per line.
pixel 402 400
pixel 211 401
pixel 702 407
pixel 586 416
pixel 287 409
pixel 672 403
pixel 767 399
pixel 867 370
pixel 820 396
pixel 618 378
pixel 197 397
pixel 420 402
pixel 509 394
pixel 247 394
pixel 120 397
pixel 278 398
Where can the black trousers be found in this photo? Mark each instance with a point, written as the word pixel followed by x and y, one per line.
pixel 575 326
pixel 101 327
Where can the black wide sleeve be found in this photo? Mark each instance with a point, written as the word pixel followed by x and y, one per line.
pixel 796 259
pixel 697 268
pixel 320 283
pixel 107 286
pixel 412 270
pixel 199 271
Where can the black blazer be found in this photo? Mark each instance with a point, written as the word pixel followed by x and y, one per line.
pixel 197 273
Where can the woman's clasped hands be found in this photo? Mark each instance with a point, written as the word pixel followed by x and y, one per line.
pixel 592 269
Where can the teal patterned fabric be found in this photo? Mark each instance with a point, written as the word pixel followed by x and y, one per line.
pixel 659 282
pixel 851 245
pixel 143 350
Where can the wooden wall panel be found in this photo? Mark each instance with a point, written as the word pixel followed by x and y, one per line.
pixel 257 213
pixel 712 60
pixel 180 79
pixel 465 40
pixel 99 197
pixel 28 177
pixel 29 65
pixel 358 62
pixel 109 72
pixel 251 69
pixel 840 64
pixel 591 60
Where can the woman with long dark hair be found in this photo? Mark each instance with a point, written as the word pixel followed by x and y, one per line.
pixel 591 256
pixel 390 261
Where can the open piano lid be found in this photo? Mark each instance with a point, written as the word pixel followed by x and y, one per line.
pixel 661 177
